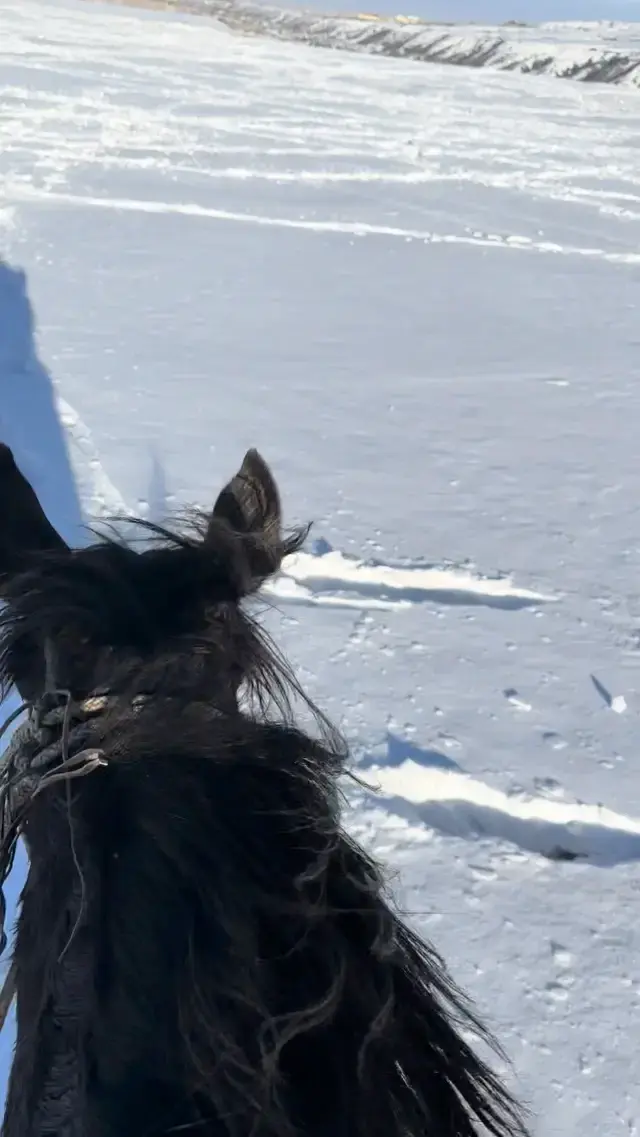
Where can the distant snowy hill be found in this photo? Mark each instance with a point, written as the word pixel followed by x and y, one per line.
pixel 604 52
pixel 497 11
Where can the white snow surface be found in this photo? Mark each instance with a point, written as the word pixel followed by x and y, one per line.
pixel 415 290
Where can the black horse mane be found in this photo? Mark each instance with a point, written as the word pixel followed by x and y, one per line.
pixel 294 1000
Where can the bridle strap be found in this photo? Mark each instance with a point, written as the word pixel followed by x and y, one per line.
pixel 56 709
pixel 8 992
pixel 50 684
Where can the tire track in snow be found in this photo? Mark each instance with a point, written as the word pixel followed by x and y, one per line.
pixel 335 580
pixel 439 795
pixel 23 193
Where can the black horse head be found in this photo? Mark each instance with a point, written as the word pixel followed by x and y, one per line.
pixel 115 614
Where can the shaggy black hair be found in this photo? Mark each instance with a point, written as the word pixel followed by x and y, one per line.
pixel 202 948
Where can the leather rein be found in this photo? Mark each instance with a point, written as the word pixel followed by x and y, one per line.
pixel 44 750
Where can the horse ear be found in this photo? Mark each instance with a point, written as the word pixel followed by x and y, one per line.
pixel 250 503
pixel 24 528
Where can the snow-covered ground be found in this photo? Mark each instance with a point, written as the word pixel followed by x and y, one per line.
pixel 415 289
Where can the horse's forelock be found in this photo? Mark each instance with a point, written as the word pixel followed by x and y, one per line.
pixel 159 610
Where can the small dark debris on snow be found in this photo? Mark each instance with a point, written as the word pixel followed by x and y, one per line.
pixel 560 854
